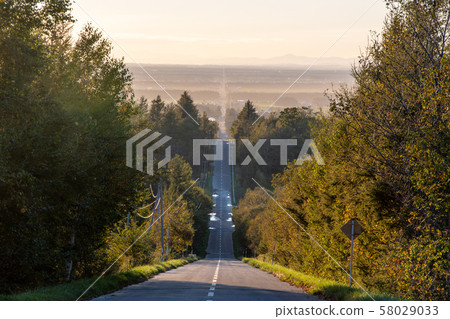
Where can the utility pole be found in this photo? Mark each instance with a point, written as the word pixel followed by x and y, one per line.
pixel 128 220
pixel 156 207
pixel 161 211
pixel 167 240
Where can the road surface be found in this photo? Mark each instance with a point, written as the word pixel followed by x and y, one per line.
pixel 219 276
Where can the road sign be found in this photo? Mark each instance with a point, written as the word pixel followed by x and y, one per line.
pixel 357 229
pixel 352 229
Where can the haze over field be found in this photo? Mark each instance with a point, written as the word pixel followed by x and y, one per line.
pixel 261 84
pixel 263 48
pixel 233 32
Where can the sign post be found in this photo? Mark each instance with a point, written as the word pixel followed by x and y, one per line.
pixel 352 229
pixel 351 250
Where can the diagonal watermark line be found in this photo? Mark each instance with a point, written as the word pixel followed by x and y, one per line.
pixel 316 60
pixel 312 238
pixel 140 236
pixel 140 66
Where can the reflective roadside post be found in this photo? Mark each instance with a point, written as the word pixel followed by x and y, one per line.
pixel 273 253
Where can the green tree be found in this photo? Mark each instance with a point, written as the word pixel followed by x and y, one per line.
pixel 156 109
pixel 385 145
pixel 64 122
pixel 405 132
pixel 243 125
pixel 188 109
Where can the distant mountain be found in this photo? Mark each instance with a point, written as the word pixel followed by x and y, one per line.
pixel 288 60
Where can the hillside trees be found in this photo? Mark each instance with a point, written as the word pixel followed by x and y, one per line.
pixel 168 119
pixel 399 114
pixel 186 222
pixel 290 123
pixel 66 111
pixel 385 147
pixel 172 120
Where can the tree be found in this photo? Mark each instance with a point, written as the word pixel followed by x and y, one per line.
pixel 66 111
pixel 209 128
pixel 405 132
pixel 156 109
pixel 188 109
pixel 32 126
pixel 67 106
pixel 243 125
pixel 385 145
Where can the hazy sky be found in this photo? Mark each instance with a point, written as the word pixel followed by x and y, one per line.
pixel 210 31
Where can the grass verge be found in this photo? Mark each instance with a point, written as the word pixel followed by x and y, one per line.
pixel 326 289
pixel 72 290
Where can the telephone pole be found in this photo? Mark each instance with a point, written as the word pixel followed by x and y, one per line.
pixel 161 212
pixel 168 236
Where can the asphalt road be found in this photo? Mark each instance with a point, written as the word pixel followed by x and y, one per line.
pixel 219 276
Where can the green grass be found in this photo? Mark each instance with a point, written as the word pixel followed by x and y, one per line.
pixel 326 289
pixel 109 283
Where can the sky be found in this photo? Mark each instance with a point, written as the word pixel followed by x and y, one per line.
pixel 221 32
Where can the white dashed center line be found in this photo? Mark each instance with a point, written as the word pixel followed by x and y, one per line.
pixel 216 273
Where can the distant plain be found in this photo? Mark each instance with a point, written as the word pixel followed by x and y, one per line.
pixel 211 85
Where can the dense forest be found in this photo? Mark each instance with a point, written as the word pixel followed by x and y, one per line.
pixel 385 144
pixel 68 204
pixel 291 123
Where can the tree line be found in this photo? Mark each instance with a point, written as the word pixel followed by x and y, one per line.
pixel 66 110
pixel 291 123
pixel 385 145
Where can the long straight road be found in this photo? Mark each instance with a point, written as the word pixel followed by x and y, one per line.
pixel 220 276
